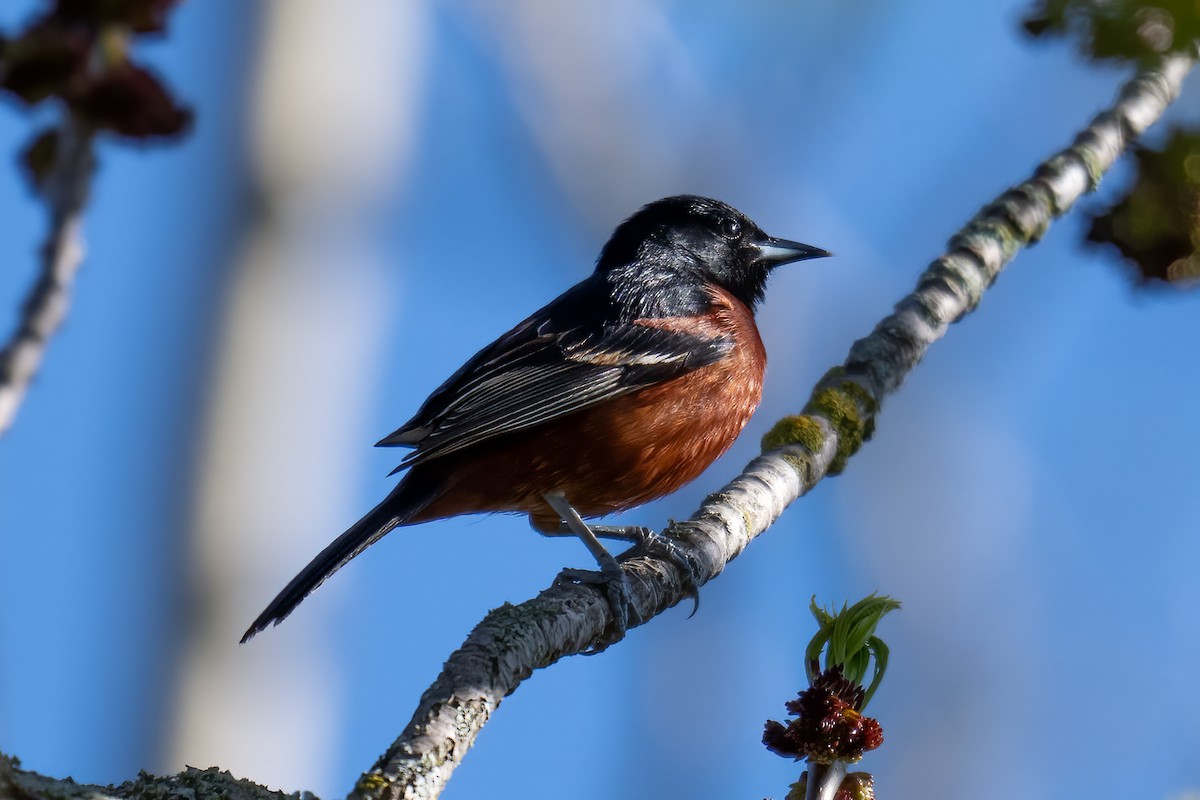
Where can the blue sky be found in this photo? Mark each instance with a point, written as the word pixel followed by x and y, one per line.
pixel 1030 493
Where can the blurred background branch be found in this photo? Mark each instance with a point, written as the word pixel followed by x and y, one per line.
pixel 65 188
pixel 76 55
pixel 304 324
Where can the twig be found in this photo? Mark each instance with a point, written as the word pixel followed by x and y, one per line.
pixel 512 641
pixel 65 189
pixel 824 780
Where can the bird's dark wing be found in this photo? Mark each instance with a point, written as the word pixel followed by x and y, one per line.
pixel 535 373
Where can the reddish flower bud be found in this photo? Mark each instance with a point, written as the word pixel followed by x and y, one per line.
pixel 828 724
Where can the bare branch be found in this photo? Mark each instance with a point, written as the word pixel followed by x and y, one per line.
pixel 512 641
pixel 197 784
pixel 65 189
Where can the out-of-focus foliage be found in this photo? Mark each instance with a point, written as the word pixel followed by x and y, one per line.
pixel 1157 224
pixel 141 16
pixel 79 52
pixel 1119 29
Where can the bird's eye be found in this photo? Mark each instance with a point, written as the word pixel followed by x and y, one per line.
pixel 731 229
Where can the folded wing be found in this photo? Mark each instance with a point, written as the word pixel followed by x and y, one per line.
pixel 535 374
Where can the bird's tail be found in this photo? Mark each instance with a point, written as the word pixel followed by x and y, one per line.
pixel 404 502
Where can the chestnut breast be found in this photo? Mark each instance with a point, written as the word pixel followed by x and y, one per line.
pixel 622 452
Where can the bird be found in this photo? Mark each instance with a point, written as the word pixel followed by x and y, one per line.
pixel 621 390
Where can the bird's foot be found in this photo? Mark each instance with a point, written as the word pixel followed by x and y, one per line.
pixel 664 547
pixel 615 583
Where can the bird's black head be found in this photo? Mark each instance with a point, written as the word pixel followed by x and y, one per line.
pixel 678 244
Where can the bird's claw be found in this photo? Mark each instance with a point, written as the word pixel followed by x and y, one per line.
pixel 620 599
pixel 663 546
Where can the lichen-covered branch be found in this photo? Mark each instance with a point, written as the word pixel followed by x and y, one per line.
pixel 65 189
pixel 512 641
pixel 196 784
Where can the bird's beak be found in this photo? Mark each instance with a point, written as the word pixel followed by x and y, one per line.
pixel 773 252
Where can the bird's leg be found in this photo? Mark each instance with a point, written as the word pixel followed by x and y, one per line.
pixel 649 540
pixel 611 576
pixel 635 534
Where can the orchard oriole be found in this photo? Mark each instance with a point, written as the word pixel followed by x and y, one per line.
pixel 621 390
